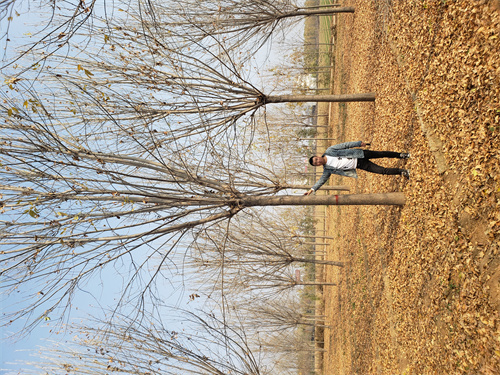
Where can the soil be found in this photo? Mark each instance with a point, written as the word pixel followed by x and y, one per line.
pixel 420 290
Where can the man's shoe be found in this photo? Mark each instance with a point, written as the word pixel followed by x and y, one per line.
pixel 406 173
pixel 404 155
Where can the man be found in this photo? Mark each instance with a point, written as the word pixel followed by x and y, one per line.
pixel 343 159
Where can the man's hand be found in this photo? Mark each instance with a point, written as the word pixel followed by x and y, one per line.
pixel 363 144
pixel 309 192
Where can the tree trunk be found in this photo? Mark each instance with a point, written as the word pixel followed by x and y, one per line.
pixel 314 243
pixel 318 44
pixel 318 261
pixel 318 12
pixel 321 6
pixel 303 187
pixel 313 126
pixel 298 187
pixel 313 317
pixel 364 97
pixel 397 199
pixel 317 139
pixel 301 236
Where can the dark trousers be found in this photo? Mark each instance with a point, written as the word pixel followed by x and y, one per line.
pixel 369 166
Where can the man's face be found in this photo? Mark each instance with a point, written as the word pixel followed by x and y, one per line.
pixel 317 161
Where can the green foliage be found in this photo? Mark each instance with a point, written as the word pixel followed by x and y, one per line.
pixel 307 224
pixel 307 132
pixel 311 39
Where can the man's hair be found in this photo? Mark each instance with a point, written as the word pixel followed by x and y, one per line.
pixel 311 160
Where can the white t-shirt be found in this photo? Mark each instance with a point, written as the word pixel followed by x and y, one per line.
pixel 342 162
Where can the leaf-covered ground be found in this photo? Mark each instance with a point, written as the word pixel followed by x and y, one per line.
pixel 420 293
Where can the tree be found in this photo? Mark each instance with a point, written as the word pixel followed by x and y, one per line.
pixel 60 22
pixel 256 238
pixel 77 202
pixel 294 350
pixel 238 24
pixel 277 315
pixel 211 346
pixel 250 281
pixel 64 25
pixel 253 252
pixel 140 77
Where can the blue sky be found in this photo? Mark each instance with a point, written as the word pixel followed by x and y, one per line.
pixel 94 296
pixel 15 350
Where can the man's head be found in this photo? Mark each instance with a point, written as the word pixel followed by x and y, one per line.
pixel 317 160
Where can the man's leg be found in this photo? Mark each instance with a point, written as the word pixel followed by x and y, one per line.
pixel 369 166
pixel 384 154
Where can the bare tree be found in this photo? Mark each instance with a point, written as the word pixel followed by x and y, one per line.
pixel 249 281
pixel 254 238
pixel 79 200
pixel 141 78
pixel 280 328
pixel 126 346
pixel 277 315
pixel 65 25
pixel 292 349
pixel 59 23
pixel 248 24
pixel 253 251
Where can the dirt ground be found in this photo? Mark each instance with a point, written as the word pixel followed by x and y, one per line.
pixel 420 291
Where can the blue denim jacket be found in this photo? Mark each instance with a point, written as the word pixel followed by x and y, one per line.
pixel 341 150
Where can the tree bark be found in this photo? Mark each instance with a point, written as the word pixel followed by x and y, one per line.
pixel 318 12
pixel 364 97
pixel 313 126
pixel 303 187
pixel 321 6
pixel 317 261
pixel 301 236
pixel 318 44
pixel 396 199
pixel 317 139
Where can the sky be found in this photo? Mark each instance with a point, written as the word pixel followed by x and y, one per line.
pixel 25 20
pixel 15 351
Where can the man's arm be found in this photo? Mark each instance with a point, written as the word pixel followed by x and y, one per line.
pixel 342 146
pixel 324 177
pixel 345 145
